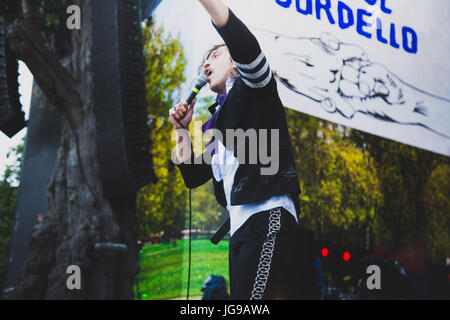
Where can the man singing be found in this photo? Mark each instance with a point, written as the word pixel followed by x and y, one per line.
pixel 263 207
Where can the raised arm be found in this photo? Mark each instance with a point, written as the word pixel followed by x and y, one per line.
pixel 242 44
pixel 217 10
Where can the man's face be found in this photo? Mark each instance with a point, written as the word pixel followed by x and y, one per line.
pixel 219 68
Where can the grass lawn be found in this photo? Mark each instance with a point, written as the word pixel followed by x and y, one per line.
pixel 164 268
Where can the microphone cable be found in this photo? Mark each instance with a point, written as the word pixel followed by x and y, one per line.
pixel 190 238
pixel 201 81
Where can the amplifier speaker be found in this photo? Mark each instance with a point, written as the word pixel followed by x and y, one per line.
pixel 119 94
pixel 12 118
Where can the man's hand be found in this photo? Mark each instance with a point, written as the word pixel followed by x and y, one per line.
pixel 182 113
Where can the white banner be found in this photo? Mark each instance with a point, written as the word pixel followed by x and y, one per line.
pixel 380 66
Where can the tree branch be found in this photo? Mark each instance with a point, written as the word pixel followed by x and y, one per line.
pixel 26 41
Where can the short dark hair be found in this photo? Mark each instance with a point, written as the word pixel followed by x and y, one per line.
pixel 214 48
pixel 208 54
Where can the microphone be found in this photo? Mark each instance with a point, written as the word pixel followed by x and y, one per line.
pixel 199 84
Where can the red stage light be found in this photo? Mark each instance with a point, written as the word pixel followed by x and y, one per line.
pixel 324 252
pixel 346 256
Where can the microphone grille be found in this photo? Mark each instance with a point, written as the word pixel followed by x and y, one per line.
pixel 201 81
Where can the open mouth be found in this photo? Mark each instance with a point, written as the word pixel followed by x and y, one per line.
pixel 208 73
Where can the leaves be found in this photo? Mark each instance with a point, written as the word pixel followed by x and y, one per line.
pixel 357 188
pixel 437 200
pixel 8 196
pixel 340 188
pixel 12 171
pixel 414 188
pixel 162 205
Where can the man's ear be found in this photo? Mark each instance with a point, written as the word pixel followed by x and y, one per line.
pixel 235 70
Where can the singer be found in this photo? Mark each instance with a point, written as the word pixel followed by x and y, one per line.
pixel 263 257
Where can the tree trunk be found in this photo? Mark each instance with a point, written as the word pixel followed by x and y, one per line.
pixel 79 214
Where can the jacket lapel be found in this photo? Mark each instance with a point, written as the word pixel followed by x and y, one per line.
pixel 212 108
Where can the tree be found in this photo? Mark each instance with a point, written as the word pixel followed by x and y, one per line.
pixel 340 189
pixel 162 206
pixel 79 213
pixel 360 188
pixel 437 200
pixel 407 174
pixel 8 196
pixel 207 214
pixel 12 171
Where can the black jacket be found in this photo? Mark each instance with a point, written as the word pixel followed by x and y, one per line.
pixel 246 108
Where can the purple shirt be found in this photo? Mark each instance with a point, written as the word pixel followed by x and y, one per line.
pixel 211 123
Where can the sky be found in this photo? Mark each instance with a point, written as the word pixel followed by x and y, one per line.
pixel 25 86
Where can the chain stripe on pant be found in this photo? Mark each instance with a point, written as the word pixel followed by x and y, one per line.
pixel 263 257
pixel 265 261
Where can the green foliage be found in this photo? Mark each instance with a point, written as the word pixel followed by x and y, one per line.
pixel 409 212
pixel 437 201
pixel 207 214
pixel 162 205
pixel 12 171
pixel 8 196
pixel 357 188
pixel 340 188
pixel 165 63
pixel 362 189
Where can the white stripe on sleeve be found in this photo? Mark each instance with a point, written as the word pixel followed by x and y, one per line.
pixel 257 74
pixel 259 84
pixel 251 65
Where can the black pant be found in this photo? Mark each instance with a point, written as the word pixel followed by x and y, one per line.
pixel 264 257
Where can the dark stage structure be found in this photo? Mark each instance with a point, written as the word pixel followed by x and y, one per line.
pixel 122 132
